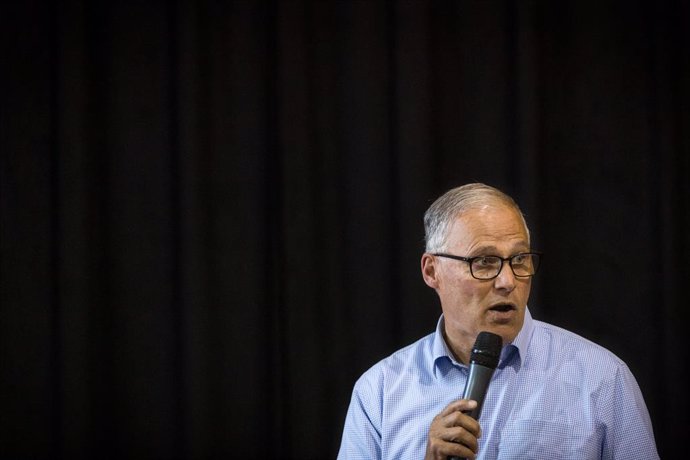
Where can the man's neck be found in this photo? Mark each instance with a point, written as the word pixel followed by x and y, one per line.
pixel 461 351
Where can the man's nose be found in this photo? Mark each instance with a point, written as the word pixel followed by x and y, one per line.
pixel 505 279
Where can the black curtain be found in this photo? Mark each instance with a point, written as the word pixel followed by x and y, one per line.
pixel 211 211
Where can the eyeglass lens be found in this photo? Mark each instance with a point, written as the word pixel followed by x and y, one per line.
pixel 490 266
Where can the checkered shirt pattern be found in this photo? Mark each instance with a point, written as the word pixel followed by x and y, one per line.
pixel 554 395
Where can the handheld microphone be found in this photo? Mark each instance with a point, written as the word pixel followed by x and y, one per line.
pixel 483 362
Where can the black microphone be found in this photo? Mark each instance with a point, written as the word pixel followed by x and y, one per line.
pixel 483 362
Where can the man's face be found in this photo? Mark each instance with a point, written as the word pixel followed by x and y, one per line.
pixel 470 305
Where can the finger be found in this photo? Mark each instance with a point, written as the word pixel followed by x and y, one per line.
pixel 461 420
pixel 460 435
pixel 458 451
pixel 440 448
pixel 459 405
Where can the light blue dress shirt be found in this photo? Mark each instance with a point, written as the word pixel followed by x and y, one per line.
pixel 554 395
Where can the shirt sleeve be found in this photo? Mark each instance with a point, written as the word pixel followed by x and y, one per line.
pixel 362 432
pixel 630 434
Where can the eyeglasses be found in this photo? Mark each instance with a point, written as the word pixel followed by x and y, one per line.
pixel 523 265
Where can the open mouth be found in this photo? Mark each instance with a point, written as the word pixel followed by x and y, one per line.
pixel 502 307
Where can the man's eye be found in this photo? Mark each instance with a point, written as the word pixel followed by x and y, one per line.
pixel 485 261
pixel 520 259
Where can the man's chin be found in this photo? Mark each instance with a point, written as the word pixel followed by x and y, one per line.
pixel 503 317
pixel 506 325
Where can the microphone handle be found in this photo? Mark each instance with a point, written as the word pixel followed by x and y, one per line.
pixel 476 387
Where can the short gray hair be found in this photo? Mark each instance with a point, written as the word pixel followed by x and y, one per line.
pixel 455 202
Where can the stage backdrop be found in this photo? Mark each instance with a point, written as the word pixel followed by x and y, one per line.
pixel 212 211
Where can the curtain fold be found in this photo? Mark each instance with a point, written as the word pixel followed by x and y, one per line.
pixel 211 212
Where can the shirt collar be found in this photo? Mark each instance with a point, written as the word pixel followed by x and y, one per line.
pixel 521 341
pixel 514 352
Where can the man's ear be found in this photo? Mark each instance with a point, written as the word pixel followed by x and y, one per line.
pixel 429 272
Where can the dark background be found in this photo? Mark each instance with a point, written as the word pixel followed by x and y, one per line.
pixel 212 211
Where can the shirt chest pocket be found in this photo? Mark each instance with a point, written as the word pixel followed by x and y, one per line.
pixel 546 440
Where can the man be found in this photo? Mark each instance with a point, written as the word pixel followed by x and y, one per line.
pixel 554 394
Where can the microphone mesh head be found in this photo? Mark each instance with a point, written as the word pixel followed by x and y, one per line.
pixel 487 349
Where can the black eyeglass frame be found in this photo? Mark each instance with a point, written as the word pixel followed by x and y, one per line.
pixel 470 260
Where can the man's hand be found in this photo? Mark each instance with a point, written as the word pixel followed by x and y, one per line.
pixel 452 433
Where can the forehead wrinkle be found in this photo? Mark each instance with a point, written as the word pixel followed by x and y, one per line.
pixel 492 250
pixel 487 228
